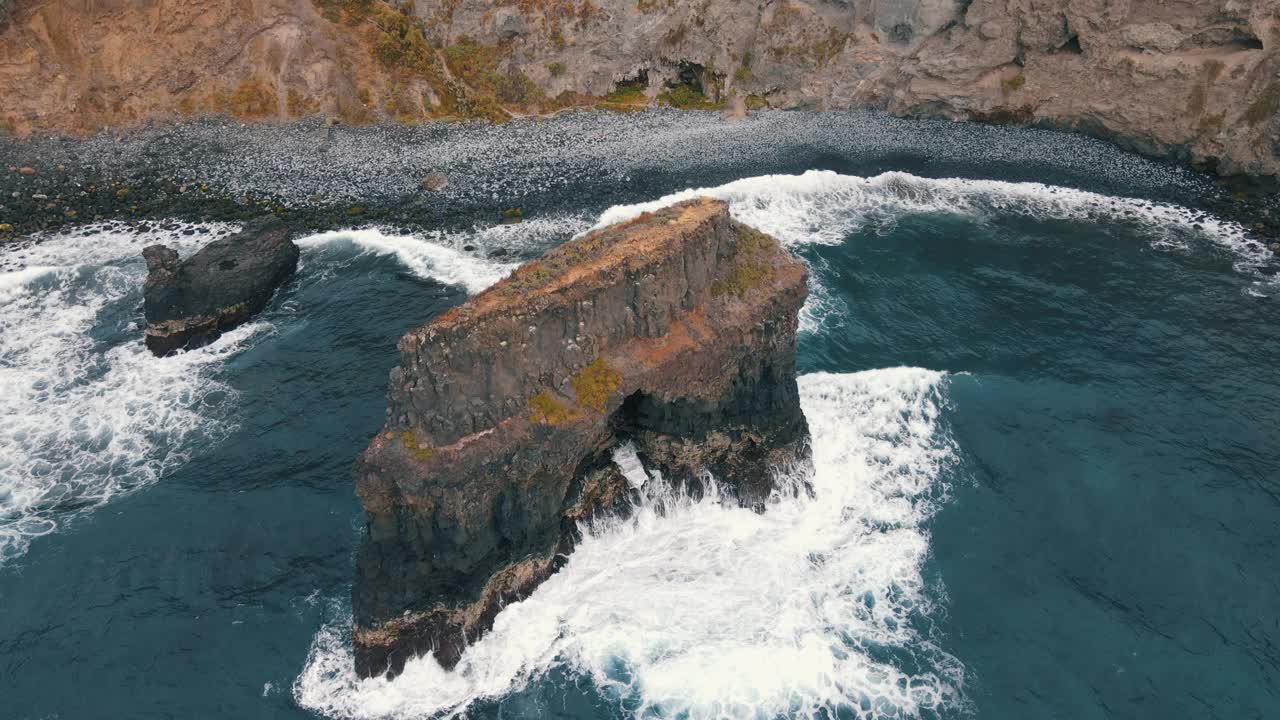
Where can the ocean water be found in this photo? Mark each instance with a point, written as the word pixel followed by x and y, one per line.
pixel 1046 429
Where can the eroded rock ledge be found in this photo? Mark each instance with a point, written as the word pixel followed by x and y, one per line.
pixel 675 331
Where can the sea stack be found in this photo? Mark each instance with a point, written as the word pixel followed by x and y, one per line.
pixel 674 332
pixel 190 303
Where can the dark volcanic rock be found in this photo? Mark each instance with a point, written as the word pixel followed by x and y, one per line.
pixel 191 303
pixel 675 332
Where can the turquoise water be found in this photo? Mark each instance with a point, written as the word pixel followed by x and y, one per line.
pixel 1046 472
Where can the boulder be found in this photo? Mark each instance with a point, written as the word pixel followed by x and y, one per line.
pixel 435 182
pixel 674 333
pixel 190 303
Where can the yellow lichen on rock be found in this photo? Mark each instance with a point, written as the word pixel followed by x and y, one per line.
pixel 546 410
pixel 421 453
pixel 593 384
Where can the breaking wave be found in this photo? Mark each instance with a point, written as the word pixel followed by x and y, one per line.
pixel 87 412
pixel 86 416
pixel 696 608
pixel 825 207
pixel 821 206
pixel 424 258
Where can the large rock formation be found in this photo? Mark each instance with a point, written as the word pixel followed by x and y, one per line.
pixel 190 303
pixel 1194 79
pixel 675 332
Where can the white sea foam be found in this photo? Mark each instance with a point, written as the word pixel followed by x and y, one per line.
pixel 824 207
pixel 107 243
pixel 422 257
pixel 444 255
pixel 696 608
pixel 85 419
pixel 531 236
pixel 625 457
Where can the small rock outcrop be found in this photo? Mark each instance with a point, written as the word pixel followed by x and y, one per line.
pixel 675 332
pixel 190 303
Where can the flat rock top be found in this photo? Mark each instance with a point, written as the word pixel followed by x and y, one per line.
pixel 580 266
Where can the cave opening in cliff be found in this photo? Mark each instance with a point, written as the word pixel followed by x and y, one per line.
pixel 627 421
pixel 690 76
pixel 693 86
pixel 639 83
pixel 1245 40
pixel 1071 44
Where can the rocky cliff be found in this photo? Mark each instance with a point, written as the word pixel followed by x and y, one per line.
pixel 1194 79
pixel 675 332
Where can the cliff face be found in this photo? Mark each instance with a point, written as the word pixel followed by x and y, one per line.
pixel 81 64
pixel 1198 79
pixel 675 332
pixel 1195 78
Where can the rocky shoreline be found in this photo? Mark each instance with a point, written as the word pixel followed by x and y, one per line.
pixel 316 177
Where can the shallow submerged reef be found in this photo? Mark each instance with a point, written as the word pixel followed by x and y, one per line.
pixel 673 333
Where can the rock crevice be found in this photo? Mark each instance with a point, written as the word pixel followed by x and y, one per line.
pixel 674 332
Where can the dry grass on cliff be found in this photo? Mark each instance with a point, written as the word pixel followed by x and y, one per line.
pixel 252 99
pixel 401 45
pixel 464 77
pixel 593 384
pixel 546 410
pixel 352 12
pixel 748 270
pixel 477 66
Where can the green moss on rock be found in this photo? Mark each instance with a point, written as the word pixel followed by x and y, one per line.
pixel 747 272
pixel 1012 85
pixel 687 97
pixel 742 278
